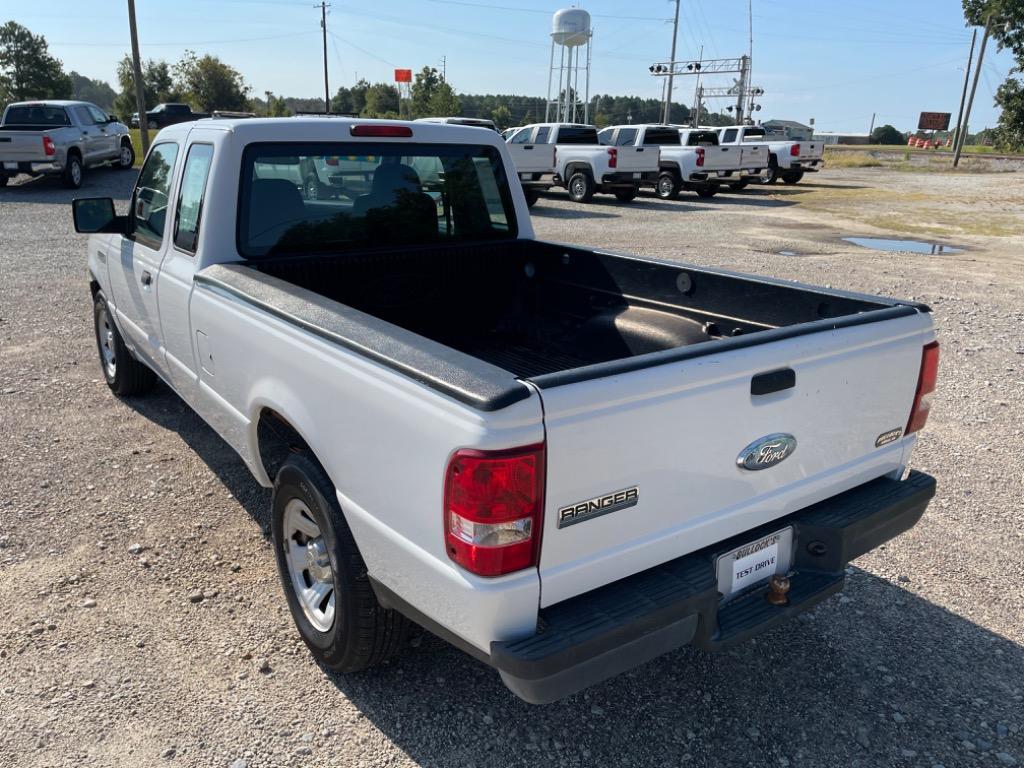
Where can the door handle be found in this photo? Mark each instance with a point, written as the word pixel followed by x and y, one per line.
pixel 147 278
pixel 527 146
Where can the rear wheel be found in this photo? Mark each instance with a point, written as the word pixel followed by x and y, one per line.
pixel 581 187
pixel 73 172
pixel 625 195
pixel 738 186
pixel 668 186
pixel 311 187
pixel 123 373
pixel 772 175
pixel 323 574
pixel 792 177
pixel 706 190
pixel 3 179
pixel 126 156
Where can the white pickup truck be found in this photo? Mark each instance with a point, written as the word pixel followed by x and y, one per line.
pixel 734 166
pixel 679 167
pixel 563 460
pixel 787 159
pixel 583 166
pixel 534 163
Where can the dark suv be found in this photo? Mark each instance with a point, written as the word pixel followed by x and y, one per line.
pixel 163 115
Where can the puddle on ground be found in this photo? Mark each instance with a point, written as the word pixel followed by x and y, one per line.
pixel 788 253
pixel 907 246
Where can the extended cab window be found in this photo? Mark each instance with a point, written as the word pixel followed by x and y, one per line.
pixel 332 197
pixel 83 116
pixel 661 137
pixel 190 199
pixel 605 136
pixel 729 136
pixel 149 203
pixel 542 135
pixel 98 115
pixel 626 137
pixel 521 137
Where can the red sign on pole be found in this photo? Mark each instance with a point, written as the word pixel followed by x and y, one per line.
pixel 403 75
pixel 934 121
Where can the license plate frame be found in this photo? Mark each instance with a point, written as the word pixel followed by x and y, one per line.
pixel 10 166
pixel 747 566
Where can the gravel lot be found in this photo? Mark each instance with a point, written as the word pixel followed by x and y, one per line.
pixel 142 621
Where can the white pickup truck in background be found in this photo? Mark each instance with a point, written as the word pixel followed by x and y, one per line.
pixel 679 167
pixel 734 165
pixel 584 167
pixel 563 460
pixel 787 159
pixel 534 163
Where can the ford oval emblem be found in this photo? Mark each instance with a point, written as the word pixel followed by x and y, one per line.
pixel 766 451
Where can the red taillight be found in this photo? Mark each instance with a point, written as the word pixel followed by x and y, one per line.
pixel 794 150
pixel 700 157
pixel 613 157
pixel 392 131
pixel 48 147
pixel 925 387
pixel 331 160
pixel 493 509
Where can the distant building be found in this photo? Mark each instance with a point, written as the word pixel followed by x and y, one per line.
pixel 788 129
pixel 837 137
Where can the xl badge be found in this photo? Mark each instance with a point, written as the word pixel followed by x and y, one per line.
pixel 766 451
pixel 600 505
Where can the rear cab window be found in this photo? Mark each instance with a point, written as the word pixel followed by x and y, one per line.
pixel 661 137
pixel 37 114
pixel 190 197
pixel 572 134
pixel 754 134
pixel 372 194
pixel 702 139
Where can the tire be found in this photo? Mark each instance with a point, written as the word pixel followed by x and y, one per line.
pixel 74 172
pixel 792 177
pixel 311 188
pixel 738 186
pixel 667 187
pixel 360 633
pixel 152 125
pixel 581 187
pixel 625 195
pixel 773 171
pixel 126 156
pixel 706 190
pixel 125 375
pixel 3 179
pixel 532 196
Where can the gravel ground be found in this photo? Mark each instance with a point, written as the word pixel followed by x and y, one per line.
pixel 142 622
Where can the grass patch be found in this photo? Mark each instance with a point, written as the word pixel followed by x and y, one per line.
pixel 845 159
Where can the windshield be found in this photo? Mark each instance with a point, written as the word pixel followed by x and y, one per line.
pixel 332 197
pixel 36 114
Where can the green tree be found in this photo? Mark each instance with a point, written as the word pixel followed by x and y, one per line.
pixel 502 117
pixel 97 91
pixel 887 134
pixel 208 83
pixel 157 85
pixel 424 87
pixel 444 102
pixel 381 101
pixel 27 70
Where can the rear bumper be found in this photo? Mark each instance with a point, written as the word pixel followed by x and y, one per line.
pixel 612 629
pixel 32 167
pixel 809 166
pixel 624 179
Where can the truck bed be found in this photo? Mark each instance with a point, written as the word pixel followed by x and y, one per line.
pixel 535 310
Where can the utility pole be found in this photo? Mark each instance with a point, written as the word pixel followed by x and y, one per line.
pixel 323 25
pixel 697 94
pixel 974 87
pixel 444 69
pixel 742 87
pixel 668 90
pixel 140 91
pixel 963 96
pixel 872 128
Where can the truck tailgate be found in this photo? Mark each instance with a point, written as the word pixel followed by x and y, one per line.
pixel 22 146
pixel 811 150
pixel 722 159
pixel 533 158
pixel 637 159
pixel 658 446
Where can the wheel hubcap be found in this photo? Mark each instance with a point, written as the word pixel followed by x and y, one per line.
pixel 312 193
pixel 577 189
pixel 126 156
pixel 665 187
pixel 76 172
pixel 309 565
pixel 105 335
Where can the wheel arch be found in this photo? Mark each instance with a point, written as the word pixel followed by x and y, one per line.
pixel 572 168
pixel 276 439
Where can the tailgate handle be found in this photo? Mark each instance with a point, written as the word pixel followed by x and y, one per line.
pixel 773 381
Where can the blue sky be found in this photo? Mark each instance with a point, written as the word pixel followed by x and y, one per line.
pixel 834 61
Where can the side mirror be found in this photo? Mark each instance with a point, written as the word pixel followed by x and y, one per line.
pixel 96 214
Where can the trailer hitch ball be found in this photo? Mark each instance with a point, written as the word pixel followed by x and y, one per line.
pixel 778 589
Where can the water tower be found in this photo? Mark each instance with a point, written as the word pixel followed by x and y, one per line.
pixel 571 36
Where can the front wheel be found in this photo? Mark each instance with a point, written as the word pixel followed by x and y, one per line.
pixel 668 186
pixel 625 195
pixel 124 374
pixel 73 172
pixel 323 573
pixel 792 177
pixel 738 186
pixel 532 196
pixel 581 187
pixel 126 156
pixel 772 175
pixel 311 187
